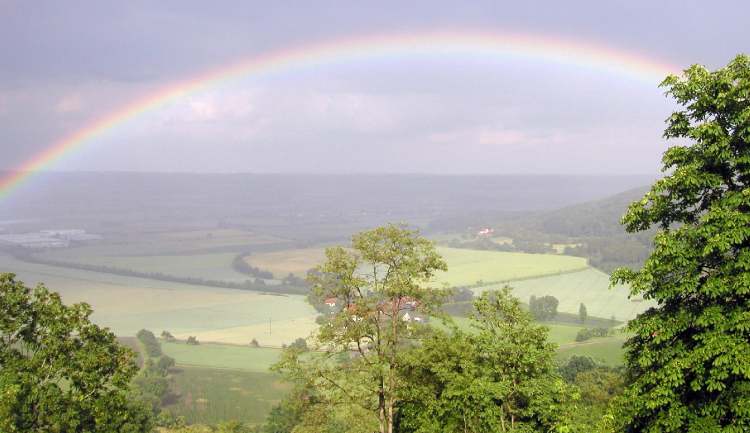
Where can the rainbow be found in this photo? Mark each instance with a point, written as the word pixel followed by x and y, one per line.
pixel 490 44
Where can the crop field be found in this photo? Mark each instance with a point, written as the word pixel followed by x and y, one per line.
pixel 222 356
pixel 282 263
pixel 217 266
pixel 589 286
pixel 468 267
pixel 207 395
pixel 127 304
pixel 606 350
pixel 465 267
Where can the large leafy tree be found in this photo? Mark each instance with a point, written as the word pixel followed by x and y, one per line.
pixel 59 373
pixel 688 361
pixel 499 378
pixel 378 284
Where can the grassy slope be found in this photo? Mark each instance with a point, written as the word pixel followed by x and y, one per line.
pixel 207 395
pixel 607 350
pixel 295 261
pixel 466 267
pixel 223 356
pixel 589 286
pixel 127 304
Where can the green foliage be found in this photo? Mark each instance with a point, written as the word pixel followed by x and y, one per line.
pixel 589 333
pixel 688 362
pixel 210 396
pixel 500 378
pixel 192 341
pixel 299 344
pixel 582 313
pixel 148 339
pixel 543 308
pixel 58 371
pixel 378 280
pixel 576 364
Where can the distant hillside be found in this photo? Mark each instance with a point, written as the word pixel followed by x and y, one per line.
pixel 305 208
pixel 590 229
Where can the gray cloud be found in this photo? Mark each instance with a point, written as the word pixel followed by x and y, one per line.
pixel 66 64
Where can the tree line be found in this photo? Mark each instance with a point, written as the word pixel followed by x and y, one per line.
pixel 294 285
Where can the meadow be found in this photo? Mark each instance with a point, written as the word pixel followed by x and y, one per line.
pixel 285 262
pixel 589 286
pixel 222 356
pixel 469 267
pixel 127 304
pixel 607 350
pixel 209 395
pixel 465 267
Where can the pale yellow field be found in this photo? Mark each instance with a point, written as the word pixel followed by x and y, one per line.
pixel 282 263
pixel 467 267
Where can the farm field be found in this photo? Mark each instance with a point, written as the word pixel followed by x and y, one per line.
pixel 216 266
pixel 128 304
pixel 222 356
pixel 467 267
pixel 589 286
pixel 606 350
pixel 208 395
pixel 282 263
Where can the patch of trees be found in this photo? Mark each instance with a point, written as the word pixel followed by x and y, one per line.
pixel 597 386
pixel 286 287
pixel 152 383
pixel 543 308
pixel 148 339
pixel 241 265
pixel 589 333
pixel 192 340
pixel 518 245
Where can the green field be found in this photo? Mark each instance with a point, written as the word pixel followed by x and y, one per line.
pixel 222 356
pixel 468 267
pixel 215 266
pixel 465 267
pixel 127 304
pixel 589 286
pixel 606 350
pixel 206 395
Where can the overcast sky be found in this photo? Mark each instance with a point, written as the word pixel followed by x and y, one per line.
pixel 66 63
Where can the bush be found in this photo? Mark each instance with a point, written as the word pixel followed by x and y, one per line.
pixel 148 339
pixel 192 340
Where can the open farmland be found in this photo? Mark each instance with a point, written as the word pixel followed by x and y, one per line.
pixel 208 395
pixel 589 286
pixel 467 267
pixel 223 356
pixel 206 254
pixel 607 350
pixel 216 266
pixel 127 304
pixel 283 263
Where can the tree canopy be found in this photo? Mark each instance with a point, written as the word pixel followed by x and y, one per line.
pixel 688 361
pixel 58 371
